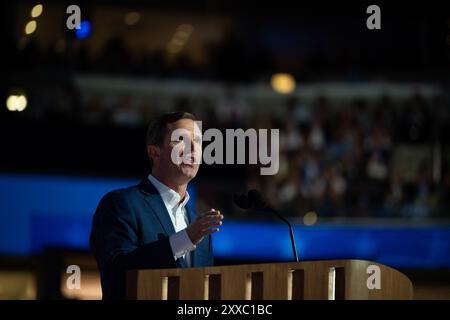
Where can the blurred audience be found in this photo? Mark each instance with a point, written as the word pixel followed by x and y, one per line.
pixel 340 160
pixel 337 158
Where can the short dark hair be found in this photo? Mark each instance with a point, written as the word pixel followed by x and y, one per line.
pixel 157 129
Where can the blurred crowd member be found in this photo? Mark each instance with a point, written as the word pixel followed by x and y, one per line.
pixel 125 114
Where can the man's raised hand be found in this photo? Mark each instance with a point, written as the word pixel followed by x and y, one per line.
pixel 204 225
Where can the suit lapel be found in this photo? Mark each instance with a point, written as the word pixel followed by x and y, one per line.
pixel 191 217
pixel 190 213
pixel 155 202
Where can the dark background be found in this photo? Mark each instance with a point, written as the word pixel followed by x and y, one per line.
pixel 364 135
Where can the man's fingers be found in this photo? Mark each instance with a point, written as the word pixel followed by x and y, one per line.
pixel 218 217
pixel 206 232
pixel 214 224
pixel 210 225
pixel 211 212
pixel 211 220
pixel 207 223
pixel 203 224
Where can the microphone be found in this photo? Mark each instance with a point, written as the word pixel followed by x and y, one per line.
pixel 254 199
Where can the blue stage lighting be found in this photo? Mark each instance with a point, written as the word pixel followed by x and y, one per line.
pixel 84 31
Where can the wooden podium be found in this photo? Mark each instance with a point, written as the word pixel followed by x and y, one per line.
pixel 323 280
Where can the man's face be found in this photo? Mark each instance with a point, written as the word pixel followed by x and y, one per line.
pixel 179 155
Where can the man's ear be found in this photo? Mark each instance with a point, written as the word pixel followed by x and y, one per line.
pixel 153 152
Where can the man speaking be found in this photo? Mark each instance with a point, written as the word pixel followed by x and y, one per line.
pixel 149 225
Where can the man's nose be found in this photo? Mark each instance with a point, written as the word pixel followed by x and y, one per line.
pixel 196 147
pixel 193 147
pixel 189 145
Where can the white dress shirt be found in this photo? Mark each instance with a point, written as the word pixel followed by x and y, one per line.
pixel 180 242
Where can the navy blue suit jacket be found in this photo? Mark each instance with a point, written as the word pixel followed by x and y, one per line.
pixel 130 230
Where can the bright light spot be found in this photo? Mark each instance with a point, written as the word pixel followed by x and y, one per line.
pixel 37 10
pixel 283 83
pixel 182 35
pixel 30 27
pixel 178 42
pixel 310 218
pixel 131 18
pixel 180 38
pixel 16 103
pixel 84 31
pixel 186 28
